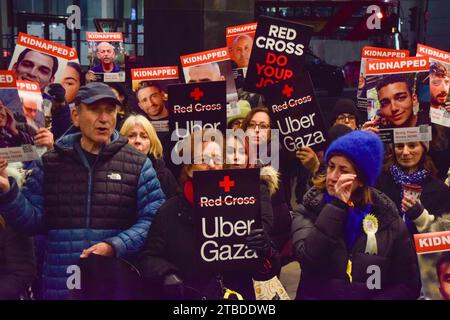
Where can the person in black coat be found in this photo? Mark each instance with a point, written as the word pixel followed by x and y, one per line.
pixel 17 263
pixel 347 236
pixel 409 179
pixel 142 135
pixel 167 260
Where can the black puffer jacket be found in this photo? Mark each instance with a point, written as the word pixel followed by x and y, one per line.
pixel 169 184
pixel 319 245
pixel 170 248
pixel 17 263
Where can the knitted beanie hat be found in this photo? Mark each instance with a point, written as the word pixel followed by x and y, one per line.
pixel 364 149
pixel 344 106
pixel 244 108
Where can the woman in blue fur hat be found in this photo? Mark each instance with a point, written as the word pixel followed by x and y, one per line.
pixel 348 237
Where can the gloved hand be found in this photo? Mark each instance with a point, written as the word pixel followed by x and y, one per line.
pixel 58 92
pixel 309 159
pixel 259 240
pixel 173 287
pixel 413 211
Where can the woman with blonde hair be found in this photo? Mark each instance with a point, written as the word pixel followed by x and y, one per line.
pixel 142 135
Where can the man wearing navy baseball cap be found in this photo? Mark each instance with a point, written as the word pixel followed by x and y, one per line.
pixel 92 194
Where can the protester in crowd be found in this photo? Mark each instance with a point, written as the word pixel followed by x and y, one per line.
pixel 344 226
pixel 410 168
pixel 345 112
pixel 10 134
pixel 313 164
pixel 123 111
pixel 17 263
pixel 142 135
pixel 72 81
pixel 168 259
pixel 257 127
pixel 241 49
pixel 74 205
pixel 235 121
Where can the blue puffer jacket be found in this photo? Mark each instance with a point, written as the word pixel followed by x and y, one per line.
pixel 72 230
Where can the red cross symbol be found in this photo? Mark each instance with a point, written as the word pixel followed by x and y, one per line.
pixel 226 184
pixel 197 94
pixel 287 91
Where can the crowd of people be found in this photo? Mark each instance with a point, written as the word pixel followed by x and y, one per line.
pixel 106 187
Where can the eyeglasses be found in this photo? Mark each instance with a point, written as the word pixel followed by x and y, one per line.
pixel 261 125
pixel 344 117
pixel 206 159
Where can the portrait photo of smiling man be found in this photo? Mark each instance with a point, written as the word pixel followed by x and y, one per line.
pixel 399 103
pixel 36 66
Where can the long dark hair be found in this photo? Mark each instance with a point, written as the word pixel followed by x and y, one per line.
pixel 425 161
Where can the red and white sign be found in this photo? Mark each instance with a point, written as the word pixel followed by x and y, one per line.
pixel 157 73
pixel 7 79
pixel 404 65
pixel 203 57
pixel 383 53
pixel 104 36
pixel 249 28
pixel 28 86
pixel 423 50
pixel 432 242
pixel 45 46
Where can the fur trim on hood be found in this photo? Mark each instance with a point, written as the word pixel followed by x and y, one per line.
pixel 441 223
pixel 271 177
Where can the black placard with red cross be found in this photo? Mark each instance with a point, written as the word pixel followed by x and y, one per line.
pixel 277 53
pixel 197 106
pixel 296 113
pixel 227 207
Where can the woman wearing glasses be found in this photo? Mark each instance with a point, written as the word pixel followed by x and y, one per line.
pixel 167 261
pixel 257 128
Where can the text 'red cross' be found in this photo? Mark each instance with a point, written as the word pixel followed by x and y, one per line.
pixel 197 94
pixel 226 184
pixel 287 91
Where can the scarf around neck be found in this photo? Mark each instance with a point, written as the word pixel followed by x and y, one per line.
pixel 354 224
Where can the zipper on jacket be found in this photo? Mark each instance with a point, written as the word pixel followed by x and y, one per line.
pixel 88 202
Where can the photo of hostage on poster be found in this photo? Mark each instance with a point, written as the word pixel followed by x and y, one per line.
pixel 277 53
pixel 227 208
pixel 211 65
pixel 239 41
pixel 395 112
pixel 16 136
pixel 150 87
pixel 433 251
pixel 439 81
pixel 370 53
pixel 295 111
pixel 39 60
pixel 106 55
